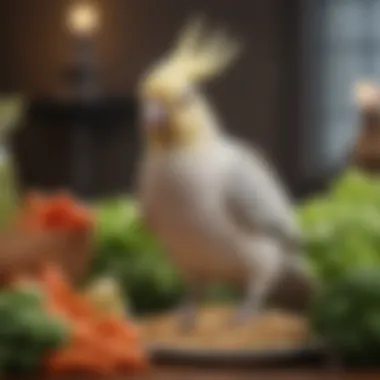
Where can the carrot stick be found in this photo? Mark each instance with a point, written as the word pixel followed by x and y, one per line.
pixel 111 326
pixel 99 344
pixel 85 352
pixel 77 360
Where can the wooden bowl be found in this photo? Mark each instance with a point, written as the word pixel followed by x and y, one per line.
pixel 25 252
pixel 73 251
pixel 273 338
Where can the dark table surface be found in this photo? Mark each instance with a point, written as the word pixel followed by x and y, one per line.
pixel 196 373
pixel 191 373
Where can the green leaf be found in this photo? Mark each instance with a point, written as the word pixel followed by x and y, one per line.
pixel 126 250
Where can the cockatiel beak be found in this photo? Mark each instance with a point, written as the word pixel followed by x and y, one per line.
pixel 156 121
pixel 154 115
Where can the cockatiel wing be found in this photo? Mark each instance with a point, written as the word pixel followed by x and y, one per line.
pixel 255 200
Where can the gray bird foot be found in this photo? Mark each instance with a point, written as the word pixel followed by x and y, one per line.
pixel 252 305
pixel 242 316
pixel 188 311
pixel 187 318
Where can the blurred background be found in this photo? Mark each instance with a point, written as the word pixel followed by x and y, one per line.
pixel 291 92
pixel 76 63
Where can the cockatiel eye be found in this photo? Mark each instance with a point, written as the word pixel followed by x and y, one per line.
pixel 153 112
pixel 186 97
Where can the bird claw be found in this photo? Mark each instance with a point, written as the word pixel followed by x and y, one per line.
pixel 186 325
pixel 242 317
pixel 187 318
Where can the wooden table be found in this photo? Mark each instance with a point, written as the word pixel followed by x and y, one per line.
pixel 188 373
pixel 193 373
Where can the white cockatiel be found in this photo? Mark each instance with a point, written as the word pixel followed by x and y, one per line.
pixel 218 208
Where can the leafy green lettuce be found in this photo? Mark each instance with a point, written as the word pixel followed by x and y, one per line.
pixel 342 239
pixel 126 250
pixel 341 228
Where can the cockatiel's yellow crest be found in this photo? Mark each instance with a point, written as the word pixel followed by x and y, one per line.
pixel 195 58
pixel 175 113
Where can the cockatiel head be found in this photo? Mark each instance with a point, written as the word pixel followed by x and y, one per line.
pixel 174 112
pixel 367 147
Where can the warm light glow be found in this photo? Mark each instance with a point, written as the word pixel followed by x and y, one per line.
pixel 83 18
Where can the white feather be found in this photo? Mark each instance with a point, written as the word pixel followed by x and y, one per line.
pixel 185 196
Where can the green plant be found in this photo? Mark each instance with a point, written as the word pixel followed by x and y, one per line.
pixel 341 230
pixel 127 251
pixel 347 315
pixel 27 332
pixel 341 227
